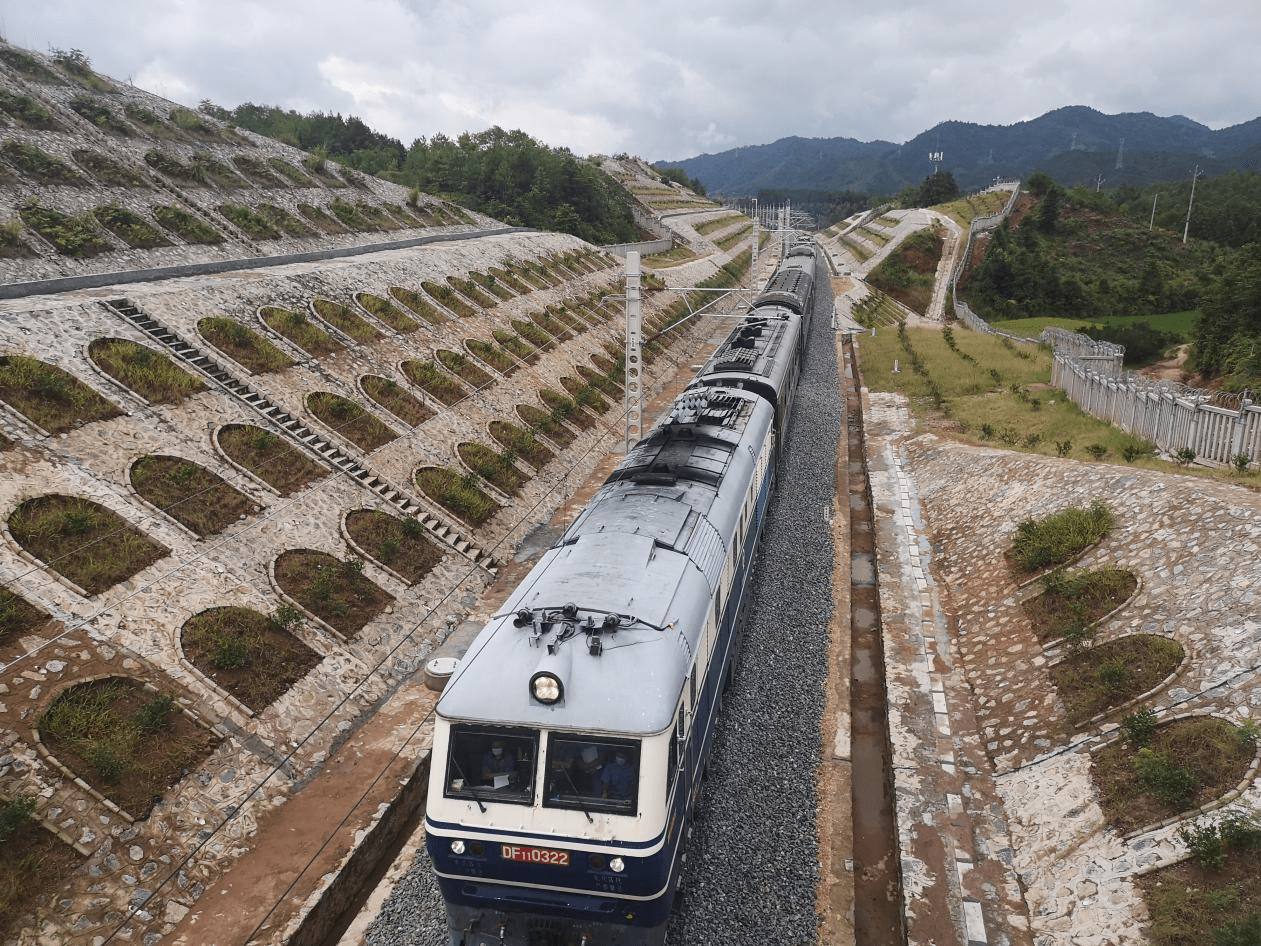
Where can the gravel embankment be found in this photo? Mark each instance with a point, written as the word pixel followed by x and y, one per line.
pixel 752 862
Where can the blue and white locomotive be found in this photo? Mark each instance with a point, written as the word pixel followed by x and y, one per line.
pixel 570 742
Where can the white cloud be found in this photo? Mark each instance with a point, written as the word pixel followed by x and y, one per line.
pixel 665 79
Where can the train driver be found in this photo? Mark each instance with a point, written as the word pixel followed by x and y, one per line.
pixel 617 778
pixel 498 765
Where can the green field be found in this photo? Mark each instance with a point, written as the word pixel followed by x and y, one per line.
pixel 1001 398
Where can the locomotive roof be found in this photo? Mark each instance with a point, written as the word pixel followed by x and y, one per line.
pixel 695 443
pixel 631 684
pixel 754 345
pixel 645 554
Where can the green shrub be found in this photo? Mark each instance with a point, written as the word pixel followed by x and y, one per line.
pixel 1170 783
pixel 14 814
pixel 1057 539
pixel 152 716
pixel 1139 727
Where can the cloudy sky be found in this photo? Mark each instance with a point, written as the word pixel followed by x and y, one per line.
pixel 670 80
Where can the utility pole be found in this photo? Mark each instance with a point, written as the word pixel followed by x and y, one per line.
pixel 1187 226
pixel 756 242
pixel 1151 223
pixel 634 353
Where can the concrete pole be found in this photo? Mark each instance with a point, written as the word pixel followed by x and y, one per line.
pixel 756 243
pixel 634 353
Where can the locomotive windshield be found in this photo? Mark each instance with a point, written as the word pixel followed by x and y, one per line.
pixel 591 773
pixel 492 764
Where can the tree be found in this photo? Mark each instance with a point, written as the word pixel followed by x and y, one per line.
pixel 1228 334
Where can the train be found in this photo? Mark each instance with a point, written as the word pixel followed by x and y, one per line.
pixel 570 742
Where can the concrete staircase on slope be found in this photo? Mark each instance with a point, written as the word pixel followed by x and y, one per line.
pixel 439 530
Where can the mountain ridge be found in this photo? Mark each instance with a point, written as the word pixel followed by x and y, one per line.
pixel 1075 144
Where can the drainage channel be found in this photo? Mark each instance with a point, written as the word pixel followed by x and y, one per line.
pixel 878 914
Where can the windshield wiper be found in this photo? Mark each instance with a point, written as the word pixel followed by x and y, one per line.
pixel 577 796
pixel 468 783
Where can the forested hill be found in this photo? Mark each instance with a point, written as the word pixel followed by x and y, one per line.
pixel 504 174
pixel 1074 145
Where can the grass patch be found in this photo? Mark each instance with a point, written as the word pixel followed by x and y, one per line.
pixel 419 304
pixel 34 863
pixel 471 291
pixel 458 494
pixel 290 172
pixel 78 237
pixel 1058 538
pixel 253 224
pixel 396 399
pixel 17 617
pixel 193 496
pixel 131 228
pixel 173 168
pixel 494 285
pixel 256 172
pixel 497 357
pixel 387 312
pixel 334 591
pixel 449 298
pixel 90 545
pixel 1097 679
pixel 462 365
pixel 283 220
pixel 497 469
pixel 1181 324
pixel 53 399
pixel 108 171
pixel 129 743
pixel 12 246
pixel 550 425
pixel 435 382
pixel 585 395
pixel 186 226
pixel 398 544
pixel 269 457
pixel 1215 893
pixel 253 656
pixel 989 391
pixel 349 420
pixel 511 280
pixel 534 335
pixel 345 320
pixel 150 121
pixel 29 66
pixel 1072 602
pixel 298 328
pixel 245 347
pixel 566 409
pixel 28 111
pixel 320 220
pixel 516 346
pixel 521 443
pixel 149 373
pixel 1159 771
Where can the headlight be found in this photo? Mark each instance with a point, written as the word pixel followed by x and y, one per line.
pixel 617 865
pixel 546 687
pixel 457 846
